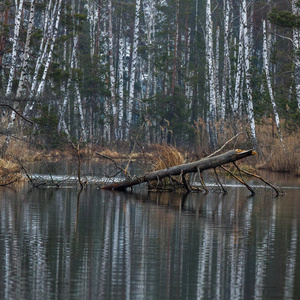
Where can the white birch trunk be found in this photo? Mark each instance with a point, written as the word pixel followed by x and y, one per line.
pixel 106 128
pixel 121 88
pixel 20 89
pixel 18 16
pixel 268 78
pixel 296 46
pixel 188 88
pixel 226 70
pixel 238 78
pixel 42 53
pixel 133 67
pixel 62 124
pixel 49 59
pixel 112 71
pixel 248 77
pixel 149 14
pixel 211 96
pixel 216 64
pixel 92 16
pixel 78 96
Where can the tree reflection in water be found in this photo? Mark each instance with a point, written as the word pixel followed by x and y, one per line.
pixel 99 245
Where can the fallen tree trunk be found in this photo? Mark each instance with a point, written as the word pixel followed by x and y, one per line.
pixel 197 166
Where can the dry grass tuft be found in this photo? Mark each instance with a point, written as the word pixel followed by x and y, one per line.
pixel 110 153
pixel 9 172
pixel 166 157
pixel 278 159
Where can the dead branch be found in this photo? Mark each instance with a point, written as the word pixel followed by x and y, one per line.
pixel 239 180
pixel 263 180
pixel 219 150
pixel 19 114
pixel 219 181
pixel 202 181
pixel 116 164
pixel 50 174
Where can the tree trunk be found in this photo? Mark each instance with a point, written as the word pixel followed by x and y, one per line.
pixel 49 58
pixel 296 45
pixel 211 95
pixel 248 76
pixel 112 72
pixel 268 78
pixel 15 46
pixel 240 62
pixel 226 82
pixel 133 66
pixel 42 52
pixel 26 51
pixel 121 85
pixel 193 167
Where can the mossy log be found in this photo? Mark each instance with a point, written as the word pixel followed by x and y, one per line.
pixel 197 166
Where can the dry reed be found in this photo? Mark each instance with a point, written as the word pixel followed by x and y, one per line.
pixel 166 157
pixel 276 156
pixel 9 172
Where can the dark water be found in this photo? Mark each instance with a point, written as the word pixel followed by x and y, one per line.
pixel 56 244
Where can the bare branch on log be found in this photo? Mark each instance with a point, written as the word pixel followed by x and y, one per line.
pixel 219 150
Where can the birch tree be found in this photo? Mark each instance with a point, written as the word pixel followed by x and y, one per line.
pixel 18 7
pixel 133 67
pixel 226 82
pixel 92 15
pixel 296 45
pixel 240 63
pixel 49 58
pixel 121 86
pixel 24 69
pixel 112 70
pixel 250 107
pixel 211 116
pixel 83 133
pixel 149 14
pixel 268 78
pixel 47 31
pixel 18 15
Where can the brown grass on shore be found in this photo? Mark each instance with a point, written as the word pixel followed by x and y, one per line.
pixel 9 172
pixel 282 158
pixel 276 156
pixel 272 155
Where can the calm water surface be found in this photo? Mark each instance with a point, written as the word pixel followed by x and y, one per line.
pixel 58 244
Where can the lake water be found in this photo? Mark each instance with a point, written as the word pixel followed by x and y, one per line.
pixel 59 244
